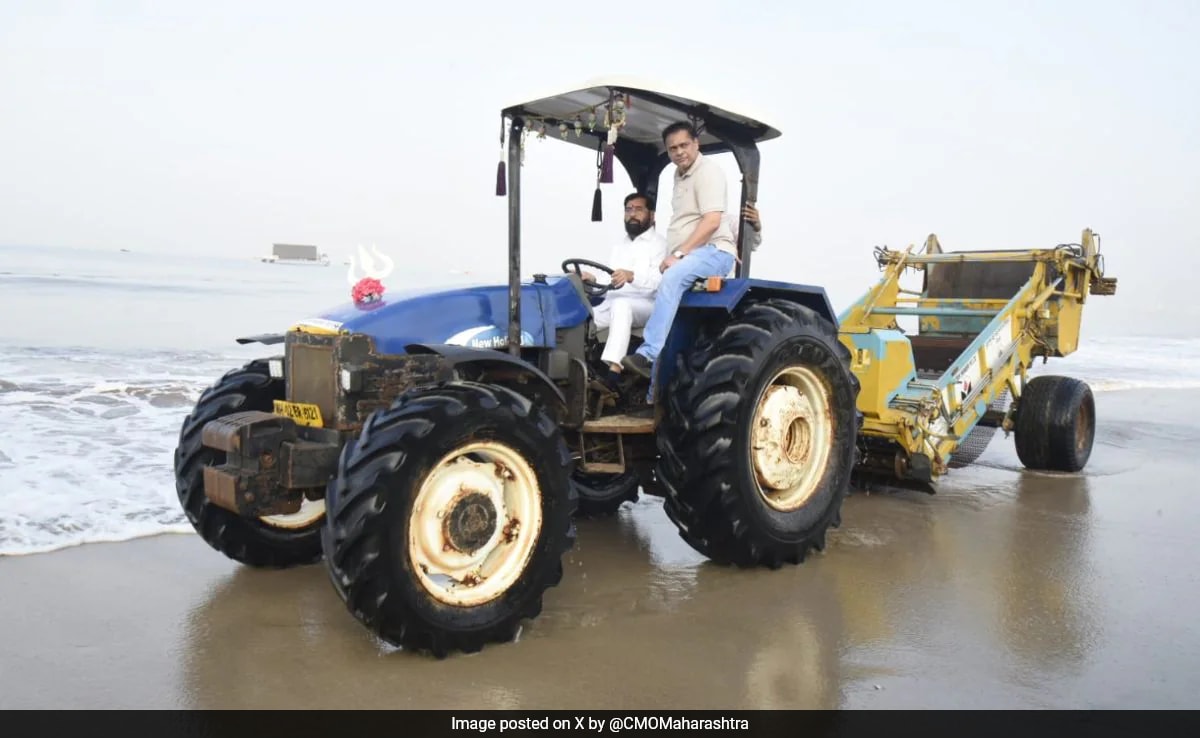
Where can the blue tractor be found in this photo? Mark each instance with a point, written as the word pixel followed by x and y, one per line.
pixel 433 447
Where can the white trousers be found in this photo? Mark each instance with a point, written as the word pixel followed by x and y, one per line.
pixel 620 315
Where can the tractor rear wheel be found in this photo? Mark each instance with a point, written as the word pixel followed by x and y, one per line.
pixel 1055 424
pixel 271 542
pixel 760 436
pixel 449 517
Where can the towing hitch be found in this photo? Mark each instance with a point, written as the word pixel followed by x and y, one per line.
pixel 268 467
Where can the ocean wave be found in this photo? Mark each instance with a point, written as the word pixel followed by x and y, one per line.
pixel 93 460
pixel 40 538
pixel 1119 385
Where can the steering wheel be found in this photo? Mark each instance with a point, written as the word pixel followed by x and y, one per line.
pixel 591 288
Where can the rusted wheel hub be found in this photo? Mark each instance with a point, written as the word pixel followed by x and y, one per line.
pixel 475 522
pixel 471 522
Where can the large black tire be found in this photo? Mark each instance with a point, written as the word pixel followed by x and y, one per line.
pixel 1055 424
pixel 601 495
pixel 705 463
pixel 243 539
pixel 371 522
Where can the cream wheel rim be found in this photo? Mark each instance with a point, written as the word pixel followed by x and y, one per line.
pixel 474 524
pixel 791 437
pixel 310 512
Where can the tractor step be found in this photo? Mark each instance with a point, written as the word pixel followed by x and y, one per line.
pixel 621 424
pixel 601 467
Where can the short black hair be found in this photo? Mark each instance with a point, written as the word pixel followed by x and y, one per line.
pixel 648 198
pixel 680 126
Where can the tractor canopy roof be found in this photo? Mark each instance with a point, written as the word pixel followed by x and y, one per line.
pixel 622 119
pixel 639 109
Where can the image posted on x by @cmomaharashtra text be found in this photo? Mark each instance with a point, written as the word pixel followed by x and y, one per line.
pixel 592 724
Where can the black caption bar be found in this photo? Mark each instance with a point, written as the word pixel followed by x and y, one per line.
pixel 606 723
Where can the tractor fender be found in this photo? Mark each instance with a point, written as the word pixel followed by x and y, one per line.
pixel 486 359
pixel 734 291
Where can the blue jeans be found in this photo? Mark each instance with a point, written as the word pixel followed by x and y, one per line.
pixel 706 261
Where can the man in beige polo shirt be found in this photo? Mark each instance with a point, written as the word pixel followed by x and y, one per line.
pixel 699 239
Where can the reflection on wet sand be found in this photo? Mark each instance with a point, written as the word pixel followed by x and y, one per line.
pixel 995 568
pixel 1005 589
pixel 621 631
pixel 908 584
pixel 1046 614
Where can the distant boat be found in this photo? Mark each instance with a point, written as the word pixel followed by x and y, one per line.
pixel 290 253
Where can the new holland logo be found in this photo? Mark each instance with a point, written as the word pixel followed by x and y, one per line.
pixel 486 336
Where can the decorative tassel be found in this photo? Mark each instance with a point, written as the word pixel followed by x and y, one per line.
pixel 501 178
pixel 596 210
pixel 606 166
pixel 606 162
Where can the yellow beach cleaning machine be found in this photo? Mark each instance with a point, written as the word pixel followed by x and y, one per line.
pixel 933 399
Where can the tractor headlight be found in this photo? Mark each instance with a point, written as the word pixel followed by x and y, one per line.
pixel 275 367
pixel 351 380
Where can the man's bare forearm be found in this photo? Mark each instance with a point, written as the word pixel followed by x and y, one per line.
pixel 708 225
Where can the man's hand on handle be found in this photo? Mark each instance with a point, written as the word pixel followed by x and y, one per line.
pixel 750 213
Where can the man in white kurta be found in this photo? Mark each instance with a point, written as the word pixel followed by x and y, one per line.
pixel 635 259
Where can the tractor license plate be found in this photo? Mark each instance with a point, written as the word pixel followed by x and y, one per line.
pixel 301 412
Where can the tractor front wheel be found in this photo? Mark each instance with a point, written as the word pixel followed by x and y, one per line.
pixel 449 517
pixel 276 541
pixel 601 495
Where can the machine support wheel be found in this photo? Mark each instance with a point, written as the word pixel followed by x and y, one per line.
pixel 759 436
pixel 1055 424
pixel 449 517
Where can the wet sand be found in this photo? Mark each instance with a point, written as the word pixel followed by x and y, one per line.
pixel 1006 589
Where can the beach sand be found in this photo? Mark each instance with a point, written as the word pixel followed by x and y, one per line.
pixel 1005 589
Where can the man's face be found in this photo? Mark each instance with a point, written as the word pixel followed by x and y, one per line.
pixel 638 217
pixel 682 149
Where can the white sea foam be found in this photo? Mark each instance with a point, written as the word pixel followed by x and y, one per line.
pixel 87 454
pixel 1116 364
pixel 1117 385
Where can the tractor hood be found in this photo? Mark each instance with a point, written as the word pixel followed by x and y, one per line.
pixel 475 316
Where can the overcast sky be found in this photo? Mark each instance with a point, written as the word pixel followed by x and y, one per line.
pixel 222 127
